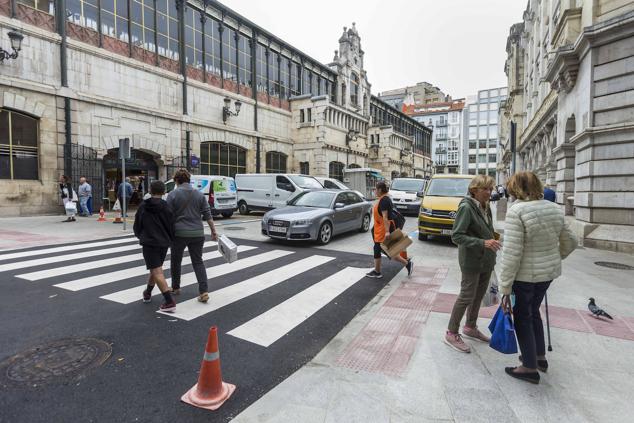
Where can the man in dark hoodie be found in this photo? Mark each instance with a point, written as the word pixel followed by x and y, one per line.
pixel 154 226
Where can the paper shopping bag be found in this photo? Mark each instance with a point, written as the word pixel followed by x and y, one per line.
pixel 396 243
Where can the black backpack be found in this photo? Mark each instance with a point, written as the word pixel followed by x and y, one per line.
pixel 396 217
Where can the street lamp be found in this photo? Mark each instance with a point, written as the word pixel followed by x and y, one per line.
pixel 226 110
pixel 16 44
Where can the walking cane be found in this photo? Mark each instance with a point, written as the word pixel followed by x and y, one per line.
pixel 550 347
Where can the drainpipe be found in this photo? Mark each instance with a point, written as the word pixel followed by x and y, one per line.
pixel 61 30
pixel 188 150
pixel 181 4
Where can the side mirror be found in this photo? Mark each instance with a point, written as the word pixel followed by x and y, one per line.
pixel 420 194
pixel 495 196
pixel 339 205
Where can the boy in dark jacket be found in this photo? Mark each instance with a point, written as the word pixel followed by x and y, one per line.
pixel 154 226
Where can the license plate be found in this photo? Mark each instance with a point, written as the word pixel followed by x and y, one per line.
pixel 277 229
pixel 401 207
pixel 446 232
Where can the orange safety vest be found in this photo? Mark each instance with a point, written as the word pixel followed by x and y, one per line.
pixel 379 233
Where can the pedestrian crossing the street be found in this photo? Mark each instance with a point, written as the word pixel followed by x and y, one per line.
pixel 286 285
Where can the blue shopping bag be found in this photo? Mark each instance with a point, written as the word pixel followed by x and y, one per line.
pixel 503 333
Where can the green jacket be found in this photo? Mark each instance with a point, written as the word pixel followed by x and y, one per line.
pixel 470 229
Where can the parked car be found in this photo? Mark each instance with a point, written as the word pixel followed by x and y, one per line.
pixel 318 215
pixel 220 191
pixel 404 191
pixel 440 203
pixel 267 191
pixel 332 183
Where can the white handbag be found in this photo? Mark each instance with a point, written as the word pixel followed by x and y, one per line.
pixel 227 248
pixel 71 208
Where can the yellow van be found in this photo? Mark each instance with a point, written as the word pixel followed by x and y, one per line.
pixel 440 202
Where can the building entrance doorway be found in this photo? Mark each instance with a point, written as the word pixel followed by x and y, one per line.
pixel 141 168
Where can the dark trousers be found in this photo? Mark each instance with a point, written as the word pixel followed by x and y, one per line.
pixel 528 321
pixel 472 290
pixel 195 248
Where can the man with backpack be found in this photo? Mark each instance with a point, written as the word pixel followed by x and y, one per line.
pixel 386 220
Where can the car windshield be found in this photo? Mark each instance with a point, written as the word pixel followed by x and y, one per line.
pixel 448 187
pixel 408 185
pixel 306 182
pixel 321 199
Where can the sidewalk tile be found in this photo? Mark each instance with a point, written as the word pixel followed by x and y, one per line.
pixel 616 328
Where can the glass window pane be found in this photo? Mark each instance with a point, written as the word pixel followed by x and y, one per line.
pixel 24 130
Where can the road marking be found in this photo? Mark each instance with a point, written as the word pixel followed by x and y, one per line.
pixel 191 309
pixel 273 324
pixel 134 294
pixel 116 276
pixel 75 268
pixel 64 248
pixel 59 259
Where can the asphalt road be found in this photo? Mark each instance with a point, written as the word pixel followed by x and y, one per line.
pixel 275 308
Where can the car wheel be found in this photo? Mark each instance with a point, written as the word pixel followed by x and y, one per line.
pixel 365 223
pixel 422 237
pixel 243 208
pixel 325 233
pixel 227 215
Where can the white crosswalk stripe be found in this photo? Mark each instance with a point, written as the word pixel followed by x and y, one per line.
pixel 270 326
pixel 134 294
pixel 191 309
pixel 76 268
pixel 13 255
pixel 106 278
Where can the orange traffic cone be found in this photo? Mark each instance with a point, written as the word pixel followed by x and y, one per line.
pixel 102 215
pixel 117 217
pixel 210 392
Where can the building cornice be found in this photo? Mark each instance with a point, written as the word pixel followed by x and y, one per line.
pixel 546 112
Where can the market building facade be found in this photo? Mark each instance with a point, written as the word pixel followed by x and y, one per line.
pixel 180 80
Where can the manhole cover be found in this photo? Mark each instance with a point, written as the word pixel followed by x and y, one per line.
pixel 613 265
pixel 234 228
pixel 57 361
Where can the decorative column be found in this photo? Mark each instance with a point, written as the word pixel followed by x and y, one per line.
pixel 565 175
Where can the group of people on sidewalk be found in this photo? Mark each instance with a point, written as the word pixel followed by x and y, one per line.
pixel 536 239
pixel 69 197
pixel 173 224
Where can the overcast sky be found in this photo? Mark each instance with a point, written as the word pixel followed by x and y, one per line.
pixel 457 45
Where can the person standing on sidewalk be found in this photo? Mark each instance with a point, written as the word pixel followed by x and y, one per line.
pixel 125 190
pixel 66 193
pixel 383 225
pixel 154 226
pixel 474 235
pixel 536 239
pixel 85 193
pixel 188 205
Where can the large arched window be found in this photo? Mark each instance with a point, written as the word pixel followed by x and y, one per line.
pixel 354 166
pixel 275 162
pixel 354 89
pixel 18 146
pixel 217 158
pixel 335 170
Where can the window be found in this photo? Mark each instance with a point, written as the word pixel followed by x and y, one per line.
pixel 296 78
pixel 260 68
pixel 493 158
pixel 354 89
pixel 283 183
pixel 314 83
pixel 484 94
pixel 330 185
pixel 114 18
pixel 472 171
pixel 309 117
pixel 301 116
pixel 244 60
pixel 335 170
pixel 482 132
pixel 492 173
pixel 284 78
pixel 342 199
pixel 306 80
pixel 482 117
pixel 482 158
pixel 304 168
pixel 18 146
pixel 212 47
pixel 493 143
pixel 218 158
pixel 229 51
pixel 493 132
pixel 79 12
pixel 274 67
pixel 493 116
pixel 473 132
pixel 142 12
pixel 482 144
pixel 48 6
pixel 167 27
pixel 275 162
pixel 193 38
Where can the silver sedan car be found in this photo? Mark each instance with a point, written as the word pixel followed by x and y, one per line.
pixel 318 215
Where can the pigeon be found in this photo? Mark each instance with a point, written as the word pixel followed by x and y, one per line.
pixel 596 311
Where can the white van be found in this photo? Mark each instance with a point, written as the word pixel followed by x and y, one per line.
pixel 267 191
pixel 220 191
pixel 404 191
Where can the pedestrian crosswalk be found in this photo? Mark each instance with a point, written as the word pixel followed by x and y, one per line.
pixel 297 283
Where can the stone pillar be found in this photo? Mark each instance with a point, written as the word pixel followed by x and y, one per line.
pixel 565 175
pixel 551 179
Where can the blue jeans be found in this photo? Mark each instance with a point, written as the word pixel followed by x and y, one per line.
pixel 90 205
pixel 83 204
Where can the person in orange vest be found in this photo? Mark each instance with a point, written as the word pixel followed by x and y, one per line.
pixel 383 225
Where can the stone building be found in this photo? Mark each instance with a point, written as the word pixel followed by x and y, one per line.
pixel 571 96
pixel 421 93
pixel 190 84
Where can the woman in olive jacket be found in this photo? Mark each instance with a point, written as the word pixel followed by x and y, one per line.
pixel 474 235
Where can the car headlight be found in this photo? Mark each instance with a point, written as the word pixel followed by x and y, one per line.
pixel 302 222
pixel 426 211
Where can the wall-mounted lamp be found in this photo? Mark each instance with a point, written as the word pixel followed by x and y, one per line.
pixel 16 45
pixel 226 110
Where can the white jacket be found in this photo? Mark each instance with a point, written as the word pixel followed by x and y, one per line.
pixel 536 239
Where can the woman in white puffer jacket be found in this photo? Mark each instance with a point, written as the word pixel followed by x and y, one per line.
pixel 536 239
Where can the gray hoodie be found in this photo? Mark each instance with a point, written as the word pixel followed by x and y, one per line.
pixel 188 205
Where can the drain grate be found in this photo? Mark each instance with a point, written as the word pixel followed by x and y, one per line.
pixel 613 265
pixel 234 228
pixel 58 361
